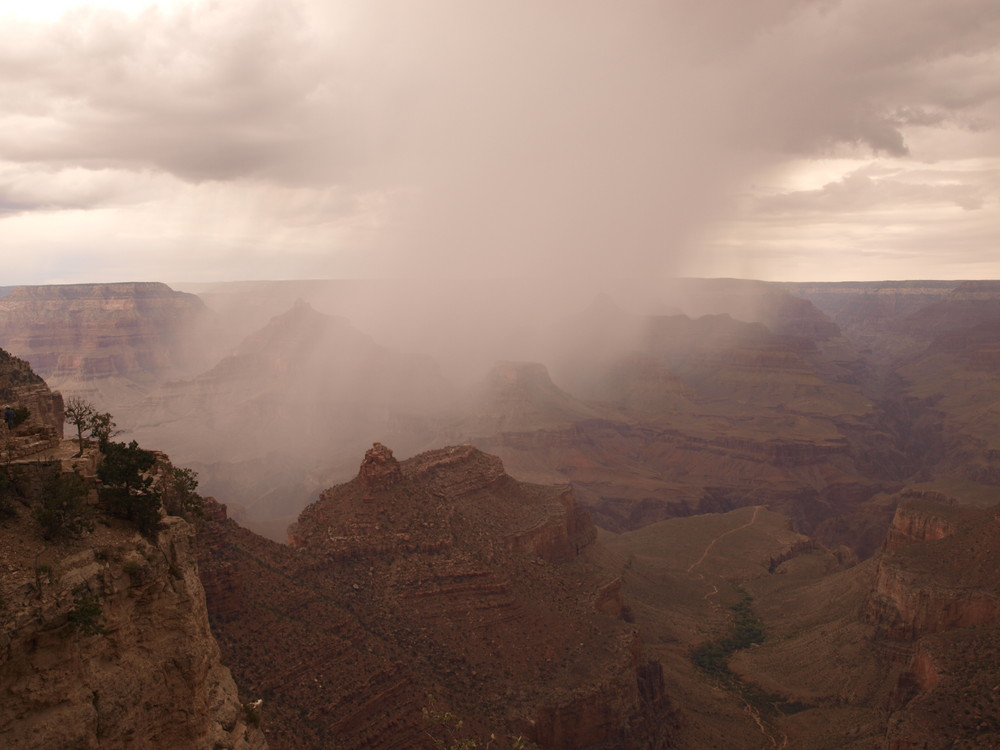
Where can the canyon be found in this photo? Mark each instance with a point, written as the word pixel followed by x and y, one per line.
pixel 624 483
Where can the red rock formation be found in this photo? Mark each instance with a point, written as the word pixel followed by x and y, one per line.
pixel 379 470
pixel 943 583
pixel 469 589
pixel 926 517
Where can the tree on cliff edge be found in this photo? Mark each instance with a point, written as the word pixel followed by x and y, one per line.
pixel 129 489
pixel 83 415
pixel 78 413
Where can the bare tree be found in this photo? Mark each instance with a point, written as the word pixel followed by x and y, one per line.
pixel 78 413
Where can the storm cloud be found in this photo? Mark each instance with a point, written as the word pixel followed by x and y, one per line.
pixel 447 138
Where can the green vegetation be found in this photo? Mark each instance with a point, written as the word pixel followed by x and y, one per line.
pixel 6 496
pixel 43 574
pixel 86 616
pixel 179 494
pixel 713 657
pixel 136 572
pixel 21 414
pixel 102 428
pixel 129 491
pixel 62 511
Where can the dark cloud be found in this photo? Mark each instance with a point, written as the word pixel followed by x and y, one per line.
pixel 213 91
pixel 505 138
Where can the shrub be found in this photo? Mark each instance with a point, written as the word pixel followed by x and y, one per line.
pixel 136 571
pixel 62 511
pixel 179 494
pixel 129 491
pixel 6 496
pixel 713 657
pixel 42 571
pixel 251 713
pixel 86 616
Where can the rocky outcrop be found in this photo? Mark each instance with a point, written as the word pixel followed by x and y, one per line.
pixel 926 517
pixel 520 396
pixel 106 644
pixel 947 696
pixel 20 389
pixel 437 576
pixel 943 583
pixel 380 470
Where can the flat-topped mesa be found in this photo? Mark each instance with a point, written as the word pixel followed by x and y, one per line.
pixel 380 469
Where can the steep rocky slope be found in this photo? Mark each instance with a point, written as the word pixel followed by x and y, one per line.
pixel 21 388
pixel 151 678
pixel 449 586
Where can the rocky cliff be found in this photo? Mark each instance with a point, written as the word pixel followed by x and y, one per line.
pixel 79 333
pixel 21 388
pixel 935 606
pixel 943 579
pixel 106 644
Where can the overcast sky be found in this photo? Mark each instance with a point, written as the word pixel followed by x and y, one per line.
pixel 187 140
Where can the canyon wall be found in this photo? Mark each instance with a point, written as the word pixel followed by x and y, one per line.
pixel 86 332
pixel 106 644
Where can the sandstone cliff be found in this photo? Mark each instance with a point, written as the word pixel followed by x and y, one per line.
pixel 106 645
pixel 80 333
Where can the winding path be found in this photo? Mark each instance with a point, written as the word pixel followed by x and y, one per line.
pixel 747 707
pixel 756 510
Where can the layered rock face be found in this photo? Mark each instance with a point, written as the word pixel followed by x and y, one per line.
pixel 471 589
pixel 84 332
pixel 706 415
pixel 935 605
pixel 937 572
pixel 149 675
pixel 21 388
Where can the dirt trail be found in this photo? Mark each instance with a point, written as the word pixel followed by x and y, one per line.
pixel 775 742
pixel 711 544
